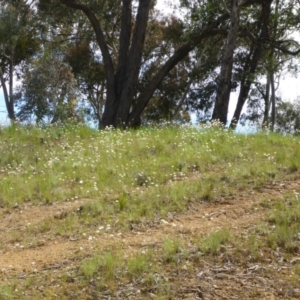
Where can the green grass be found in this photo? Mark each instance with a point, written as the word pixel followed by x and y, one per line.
pixel 140 264
pixel 170 250
pixel 285 221
pixel 136 178
pixel 105 265
pixel 43 165
pixel 213 242
pixel 8 292
pixel 110 269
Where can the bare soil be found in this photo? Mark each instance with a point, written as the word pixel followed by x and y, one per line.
pixel 231 275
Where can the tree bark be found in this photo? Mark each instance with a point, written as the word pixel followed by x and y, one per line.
pixel 125 36
pixel 251 65
pixel 267 102
pixel 134 63
pixel 246 82
pixel 272 72
pixel 5 92
pixel 224 87
pixel 11 89
pixel 273 101
pixel 8 96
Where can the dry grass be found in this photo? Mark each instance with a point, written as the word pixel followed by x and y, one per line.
pixel 147 214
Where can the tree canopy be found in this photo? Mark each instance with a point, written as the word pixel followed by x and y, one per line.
pixel 122 63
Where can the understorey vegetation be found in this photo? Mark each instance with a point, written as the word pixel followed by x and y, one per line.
pixel 165 212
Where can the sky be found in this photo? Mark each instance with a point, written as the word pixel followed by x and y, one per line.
pixel 2 108
pixel 289 88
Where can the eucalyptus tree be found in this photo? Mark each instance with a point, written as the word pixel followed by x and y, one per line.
pixel 258 33
pixel 49 92
pixel 288 117
pixel 123 54
pixel 18 42
pixel 225 78
pixel 168 102
pixel 122 62
pixel 88 69
pixel 271 51
pixel 283 23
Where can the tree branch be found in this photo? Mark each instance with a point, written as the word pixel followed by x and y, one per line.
pixel 225 6
pixel 210 30
pixel 109 68
pixel 282 49
pixel 108 116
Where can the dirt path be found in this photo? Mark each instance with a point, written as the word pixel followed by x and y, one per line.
pixel 240 213
pixel 243 211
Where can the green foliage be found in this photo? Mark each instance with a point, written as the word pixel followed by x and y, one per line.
pixel 18 35
pixel 7 292
pixel 19 41
pixel 104 266
pixel 49 92
pixel 213 242
pixel 139 264
pixel 54 51
pixel 171 249
pixel 288 117
pixel 285 219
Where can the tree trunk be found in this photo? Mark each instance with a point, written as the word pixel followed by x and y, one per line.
pixel 273 101
pixel 246 83
pixel 267 102
pixel 8 96
pixel 224 86
pixel 125 36
pixel 244 88
pixel 121 83
pixel 251 65
pixel 133 66
pixel 11 90
pixel 272 72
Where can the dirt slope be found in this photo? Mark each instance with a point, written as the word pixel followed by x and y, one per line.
pixel 215 278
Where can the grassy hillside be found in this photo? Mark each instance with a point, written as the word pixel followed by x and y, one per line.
pixel 58 164
pixel 65 185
